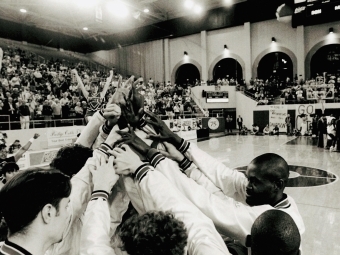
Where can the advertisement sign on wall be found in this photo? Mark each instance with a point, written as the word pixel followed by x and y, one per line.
pixel 62 135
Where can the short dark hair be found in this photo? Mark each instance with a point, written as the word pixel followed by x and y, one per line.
pixel 9 167
pixel 275 166
pixel 25 195
pixel 71 159
pixel 275 232
pixel 153 233
pixel 2 146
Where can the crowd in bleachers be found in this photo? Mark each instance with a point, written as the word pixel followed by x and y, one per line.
pixel 50 91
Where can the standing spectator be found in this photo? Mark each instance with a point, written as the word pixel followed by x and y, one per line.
pixel 47 113
pixel 288 124
pixel 56 107
pixel 322 132
pixel 65 108
pixel 10 109
pixel 24 113
pixel 229 120
pixel 239 122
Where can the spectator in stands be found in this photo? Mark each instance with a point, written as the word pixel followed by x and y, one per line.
pixel 47 112
pixel 24 113
pixel 34 205
pixel 65 108
pixel 10 109
pixel 79 112
pixel 8 171
pixel 56 107
pixel 13 148
pixel 275 232
pixel 18 155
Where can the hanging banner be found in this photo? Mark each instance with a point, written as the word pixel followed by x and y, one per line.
pixel 277 116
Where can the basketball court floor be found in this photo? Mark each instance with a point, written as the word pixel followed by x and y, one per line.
pixel 313 183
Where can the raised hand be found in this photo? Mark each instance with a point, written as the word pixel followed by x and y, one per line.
pixel 126 161
pixel 165 134
pixel 36 135
pixel 130 115
pixel 112 113
pixel 132 139
pixel 104 177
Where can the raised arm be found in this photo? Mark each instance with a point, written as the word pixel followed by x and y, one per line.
pixel 159 194
pixel 80 83
pixel 23 149
pixel 95 238
pixel 107 85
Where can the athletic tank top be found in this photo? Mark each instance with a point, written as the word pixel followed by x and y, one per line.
pixel 94 103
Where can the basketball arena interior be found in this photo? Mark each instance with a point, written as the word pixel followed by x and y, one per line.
pixel 238 78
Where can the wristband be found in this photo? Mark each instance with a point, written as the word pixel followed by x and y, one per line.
pixel 31 140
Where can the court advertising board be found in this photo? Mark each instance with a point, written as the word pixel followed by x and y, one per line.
pixel 62 135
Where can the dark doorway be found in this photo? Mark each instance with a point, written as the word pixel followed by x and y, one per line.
pixel 228 68
pixel 187 74
pixel 326 59
pixel 276 65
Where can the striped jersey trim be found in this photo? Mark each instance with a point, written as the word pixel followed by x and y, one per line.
pixel 99 194
pixel 104 147
pixel 106 128
pixel 142 171
pixel 284 204
pixel 101 112
pixel 142 123
pixel 184 146
pixel 185 164
pixel 9 248
pixel 156 158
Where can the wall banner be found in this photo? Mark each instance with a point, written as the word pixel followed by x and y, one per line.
pixel 277 116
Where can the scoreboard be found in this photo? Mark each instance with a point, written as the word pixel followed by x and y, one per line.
pixel 217 96
pixel 311 12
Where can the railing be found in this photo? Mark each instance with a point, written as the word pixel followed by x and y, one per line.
pixel 9 125
pixel 183 116
pixel 197 101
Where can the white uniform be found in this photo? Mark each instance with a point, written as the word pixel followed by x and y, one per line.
pixel 158 194
pixel 231 216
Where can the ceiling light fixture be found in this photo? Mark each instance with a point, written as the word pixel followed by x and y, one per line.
pixel 118 8
pixel 85 28
pixel 146 10
pixel 198 9
pixel 189 4
pixel 23 10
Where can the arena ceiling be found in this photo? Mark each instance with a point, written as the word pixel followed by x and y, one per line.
pixel 67 18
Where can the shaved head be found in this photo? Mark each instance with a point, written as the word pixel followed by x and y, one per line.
pixel 275 232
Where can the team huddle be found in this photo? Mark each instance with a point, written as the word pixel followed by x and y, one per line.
pixel 130 185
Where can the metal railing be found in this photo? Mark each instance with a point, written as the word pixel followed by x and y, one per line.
pixel 10 125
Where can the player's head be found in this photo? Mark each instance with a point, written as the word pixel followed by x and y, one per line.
pixel 267 175
pixel 9 170
pixel 275 232
pixel 3 151
pixel 153 233
pixel 36 202
pixel 71 159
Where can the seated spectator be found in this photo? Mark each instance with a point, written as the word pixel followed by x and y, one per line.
pixel 255 129
pixel 34 205
pixel 266 130
pixel 244 130
pixel 13 148
pixel 275 232
pixel 275 131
